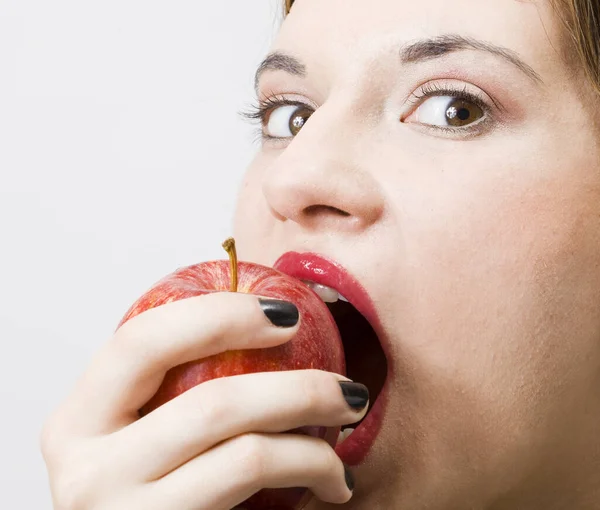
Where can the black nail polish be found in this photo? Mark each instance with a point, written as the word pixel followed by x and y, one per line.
pixel 349 478
pixel 356 394
pixel 281 313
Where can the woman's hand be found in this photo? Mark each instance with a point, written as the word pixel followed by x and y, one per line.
pixel 213 446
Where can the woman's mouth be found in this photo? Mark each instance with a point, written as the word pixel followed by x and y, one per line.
pixel 365 343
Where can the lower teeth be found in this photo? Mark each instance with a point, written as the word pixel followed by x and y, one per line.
pixel 343 435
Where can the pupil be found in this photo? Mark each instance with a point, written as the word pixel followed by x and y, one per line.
pixel 297 122
pixel 299 119
pixel 463 114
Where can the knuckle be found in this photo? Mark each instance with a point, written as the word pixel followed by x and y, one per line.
pixel 313 388
pixel 127 336
pixel 83 469
pixel 220 299
pixel 251 462
pixel 48 439
pixel 215 306
pixel 211 402
pixel 131 342
pixel 331 460
pixel 72 490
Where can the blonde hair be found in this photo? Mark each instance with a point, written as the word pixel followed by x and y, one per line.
pixel 582 21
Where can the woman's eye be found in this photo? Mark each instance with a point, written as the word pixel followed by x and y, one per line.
pixel 448 111
pixel 286 121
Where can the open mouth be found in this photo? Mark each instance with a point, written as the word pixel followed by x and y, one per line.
pixel 366 360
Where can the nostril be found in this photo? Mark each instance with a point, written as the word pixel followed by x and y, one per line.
pixel 316 210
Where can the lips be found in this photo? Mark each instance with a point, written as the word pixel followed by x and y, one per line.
pixel 316 268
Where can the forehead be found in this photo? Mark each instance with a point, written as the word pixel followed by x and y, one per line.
pixel 339 34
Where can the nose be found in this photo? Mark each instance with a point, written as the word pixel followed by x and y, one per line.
pixel 321 181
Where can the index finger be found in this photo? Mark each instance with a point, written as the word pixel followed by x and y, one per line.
pixel 129 369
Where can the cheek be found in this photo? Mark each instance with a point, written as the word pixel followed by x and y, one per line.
pixel 498 318
pixel 514 297
pixel 252 221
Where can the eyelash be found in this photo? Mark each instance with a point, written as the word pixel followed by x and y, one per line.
pixel 433 89
pixel 258 113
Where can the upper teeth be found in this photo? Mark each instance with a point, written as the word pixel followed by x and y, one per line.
pixel 327 294
pixel 343 435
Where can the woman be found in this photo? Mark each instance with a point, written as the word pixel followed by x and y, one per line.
pixel 446 155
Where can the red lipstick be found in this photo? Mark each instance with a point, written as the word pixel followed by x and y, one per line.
pixel 316 268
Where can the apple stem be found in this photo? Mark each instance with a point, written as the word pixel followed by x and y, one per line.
pixel 229 246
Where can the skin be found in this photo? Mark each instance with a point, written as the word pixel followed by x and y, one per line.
pixel 486 274
pixel 486 279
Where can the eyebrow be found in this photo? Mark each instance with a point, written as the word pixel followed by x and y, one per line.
pixel 415 52
pixel 436 47
pixel 278 61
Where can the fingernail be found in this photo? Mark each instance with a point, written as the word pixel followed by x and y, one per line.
pixel 349 478
pixel 282 314
pixel 356 394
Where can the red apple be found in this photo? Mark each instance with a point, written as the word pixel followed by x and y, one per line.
pixel 316 345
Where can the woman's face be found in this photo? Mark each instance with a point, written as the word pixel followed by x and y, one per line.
pixel 448 158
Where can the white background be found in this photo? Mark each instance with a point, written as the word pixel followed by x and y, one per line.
pixel 120 154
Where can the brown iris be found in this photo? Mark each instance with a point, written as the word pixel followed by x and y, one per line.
pixel 298 120
pixel 462 113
